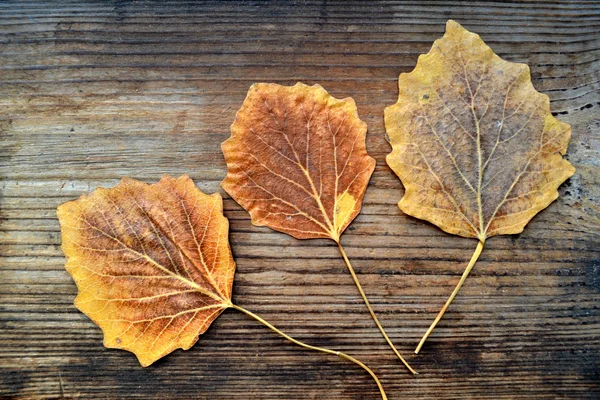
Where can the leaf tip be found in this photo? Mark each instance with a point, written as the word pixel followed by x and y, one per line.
pixel 452 24
pixel 454 28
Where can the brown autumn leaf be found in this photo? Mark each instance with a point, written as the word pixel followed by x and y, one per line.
pixel 153 266
pixel 474 144
pixel 152 263
pixel 297 162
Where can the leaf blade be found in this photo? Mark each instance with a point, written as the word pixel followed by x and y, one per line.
pixel 302 149
pixel 474 144
pixel 468 133
pixel 144 275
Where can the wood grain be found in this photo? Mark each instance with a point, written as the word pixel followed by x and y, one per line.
pixel 92 91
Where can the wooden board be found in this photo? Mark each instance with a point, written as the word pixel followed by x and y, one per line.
pixel 91 91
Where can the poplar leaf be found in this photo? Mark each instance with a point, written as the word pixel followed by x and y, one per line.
pixel 152 263
pixel 474 144
pixel 297 162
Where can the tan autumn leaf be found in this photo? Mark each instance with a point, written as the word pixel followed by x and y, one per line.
pixel 152 263
pixel 297 162
pixel 153 266
pixel 474 144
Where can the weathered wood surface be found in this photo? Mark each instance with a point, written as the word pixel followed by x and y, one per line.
pixel 91 91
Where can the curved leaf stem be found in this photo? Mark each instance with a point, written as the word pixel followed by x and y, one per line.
pixel 308 346
pixel 368 304
pixel 453 295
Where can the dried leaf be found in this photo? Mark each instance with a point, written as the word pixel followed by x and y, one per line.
pixel 475 145
pixel 153 266
pixel 297 162
pixel 152 263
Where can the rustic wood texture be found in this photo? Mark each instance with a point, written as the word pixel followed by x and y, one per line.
pixel 92 91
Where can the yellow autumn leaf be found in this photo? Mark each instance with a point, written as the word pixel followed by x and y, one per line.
pixel 474 144
pixel 152 263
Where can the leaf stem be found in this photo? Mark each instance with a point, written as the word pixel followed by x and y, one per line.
pixel 368 304
pixel 453 295
pixel 308 346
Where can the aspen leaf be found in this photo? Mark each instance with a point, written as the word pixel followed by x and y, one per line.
pixel 297 162
pixel 153 265
pixel 474 144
